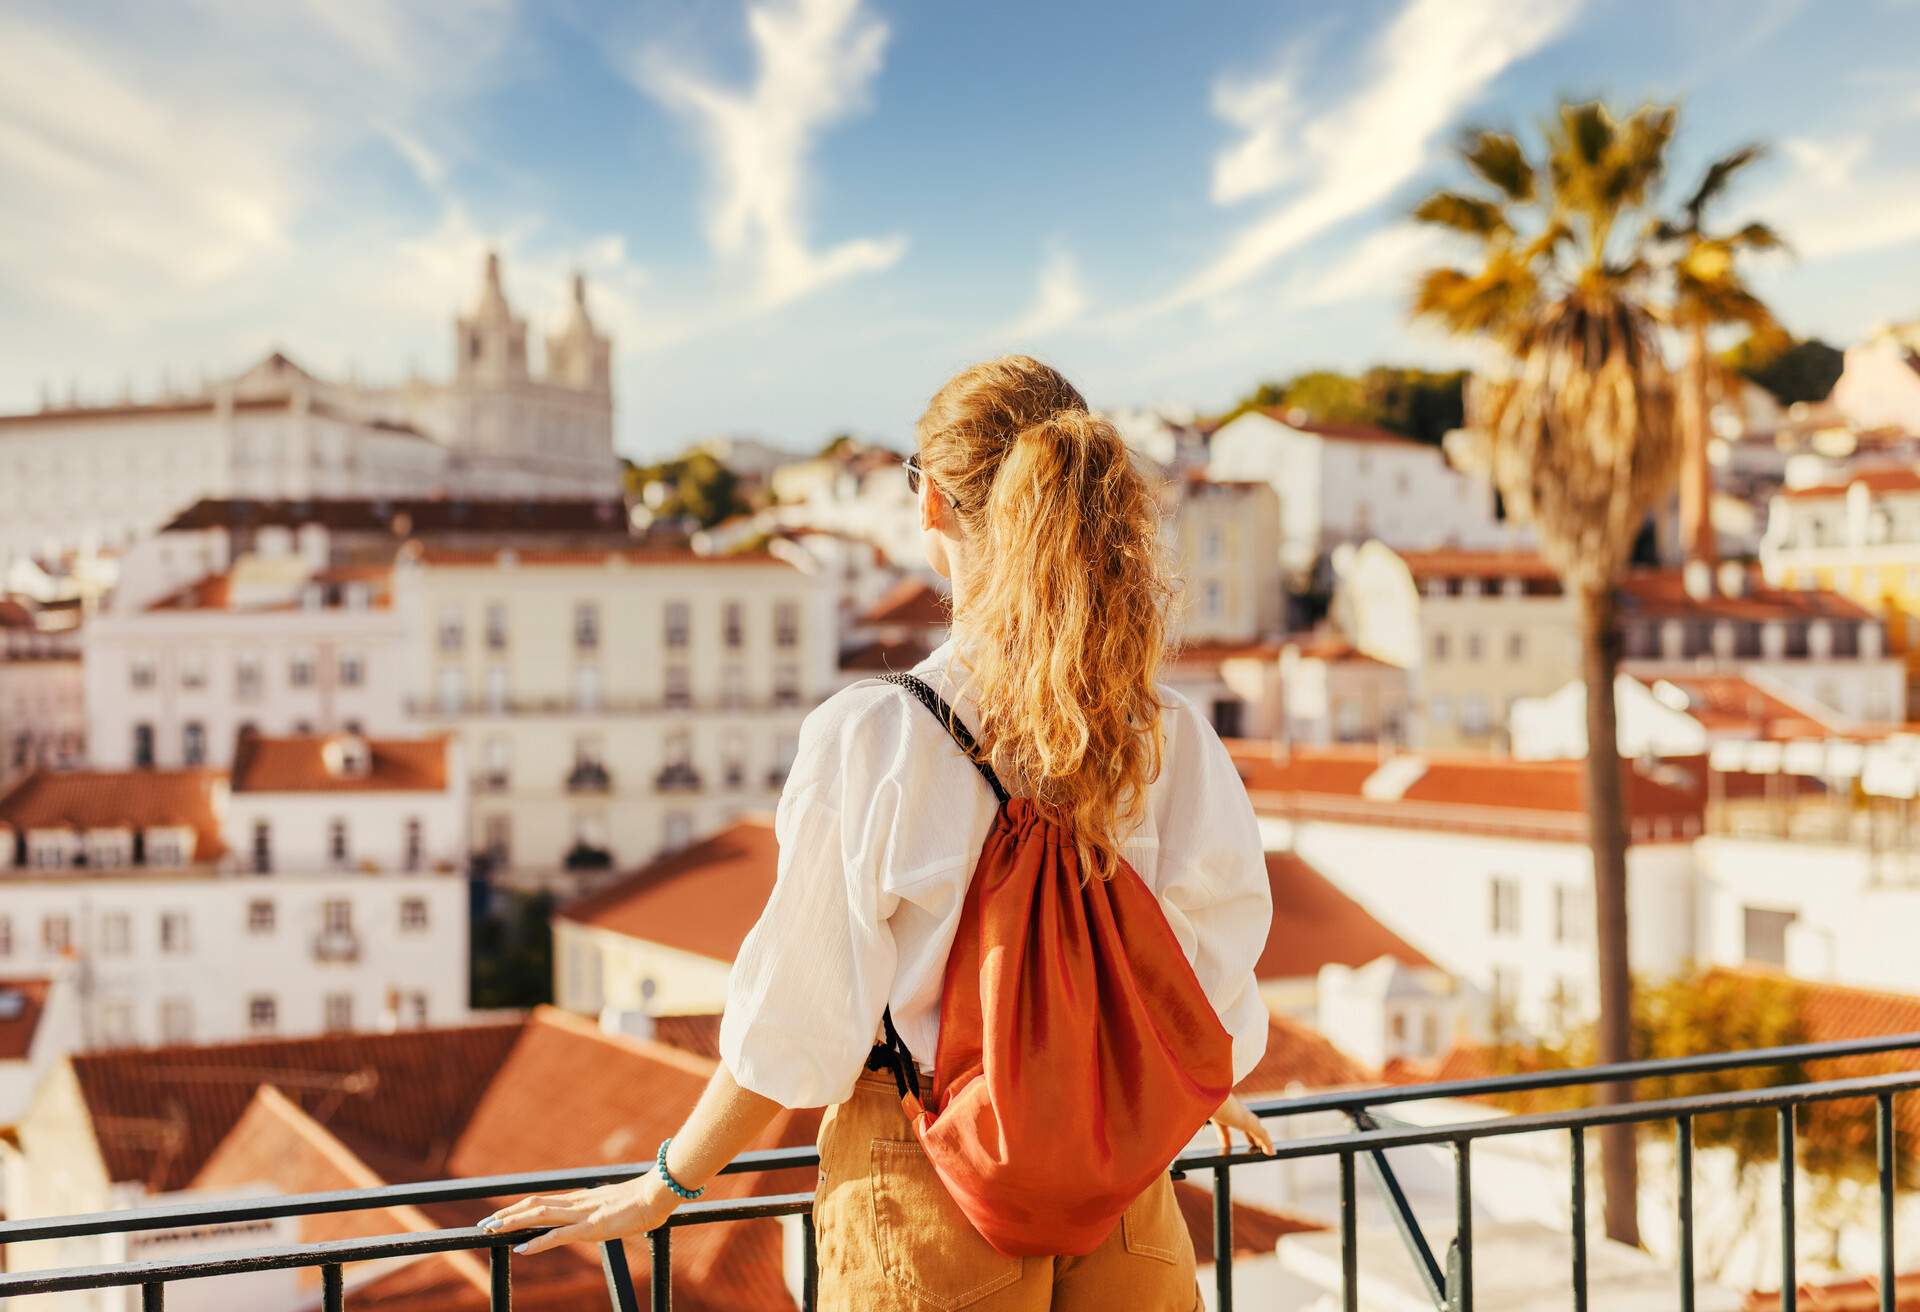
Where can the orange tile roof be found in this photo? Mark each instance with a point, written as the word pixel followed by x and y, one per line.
pixel 1728 702
pixel 1213 653
pixel 910 601
pixel 298 764
pixel 557 557
pixel 1899 478
pixel 1299 1055
pixel 1255 1229
pixel 17 1030
pixel 1861 1295
pixel 120 799
pixel 1660 593
pixel 158 1113
pixel 702 899
pixel 215 592
pixel 1493 794
pixel 1315 925
pixel 1458 562
pixel 697 1034
pixel 1330 647
pixel 884 655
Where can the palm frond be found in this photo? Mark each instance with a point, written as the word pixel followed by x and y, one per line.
pixel 1472 215
pixel 1719 173
pixel 1498 160
pixel 1758 237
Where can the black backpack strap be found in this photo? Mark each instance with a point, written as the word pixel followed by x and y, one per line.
pixel 944 713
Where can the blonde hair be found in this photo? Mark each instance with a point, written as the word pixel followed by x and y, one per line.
pixel 1065 617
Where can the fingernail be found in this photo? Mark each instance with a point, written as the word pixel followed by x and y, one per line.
pixel 521 1248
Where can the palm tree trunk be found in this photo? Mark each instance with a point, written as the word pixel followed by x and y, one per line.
pixel 1697 541
pixel 1607 827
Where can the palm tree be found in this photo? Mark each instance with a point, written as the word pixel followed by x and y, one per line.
pixel 1708 292
pixel 1579 436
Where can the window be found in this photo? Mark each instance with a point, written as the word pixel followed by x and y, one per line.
pixel 1213 599
pixel 453 628
pixel 263 1013
pixel 116 934
pixel 176 1020
pixel 1571 914
pixel 116 1023
pixel 339 1011
pixel 733 624
pixel 499 763
pixel 56 933
pixel 1440 710
pixel 193 671
pixel 1473 714
pixel 337 846
pixel 679 621
pixel 1766 935
pixel 260 916
pixel 678 830
pixel 193 743
pixel 353 669
pixel 143 746
pixel 1516 646
pixel 413 914
pixel 733 686
pixel 6 936
pixel 173 932
pixel 336 915
pixel 262 846
pixel 300 670
pixel 496 626
pixel 1504 895
pixel 498 693
pixel 679 692
pixel 1212 544
pixel 586 687
pixel 1506 1000
pixel 1475 646
pixel 733 758
pixel 786 624
pixel 586 626
pixel 246 676
pixel 413 844
pixel 786 685
pixel 1439 648
pixel 453 689
pixel 141 673
pixel 497 837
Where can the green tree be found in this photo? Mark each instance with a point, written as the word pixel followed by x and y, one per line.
pixel 1417 403
pixel 1791 371
pixel 1579 436
pixel 1708 292
pixel 512 951
pixel 695 488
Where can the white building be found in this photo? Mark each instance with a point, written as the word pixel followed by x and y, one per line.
pixel 190 910
pixel 43 709
pixel 857 490
pixel 1332 692
pixel 1351 482
pixel 1224 539
pixel 1879 384
pixel 1484 866
pixel 616 703
pixel 82 478
pixel 277 642
pixel 1679 715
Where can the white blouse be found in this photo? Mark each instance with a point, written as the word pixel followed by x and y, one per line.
pixel 879 826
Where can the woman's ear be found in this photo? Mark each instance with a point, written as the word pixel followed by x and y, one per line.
pixel 933 508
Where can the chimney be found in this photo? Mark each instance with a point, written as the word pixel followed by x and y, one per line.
pixel 1697 577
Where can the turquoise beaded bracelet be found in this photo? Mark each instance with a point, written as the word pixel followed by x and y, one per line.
pixel 666 1176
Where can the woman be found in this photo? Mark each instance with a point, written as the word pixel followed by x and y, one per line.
pixel 1031 507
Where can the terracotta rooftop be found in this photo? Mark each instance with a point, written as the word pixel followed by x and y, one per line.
pixel 910 601
pixel 698 1033
pixel 1657 594
pixel 1299 1055
pixel 1315 925
pixel 1861 1295
pixel 1730 703
pixel 1460 563
pixel 1330 647
pixel 158 1113
pixel 1461 793
pixel 22 1002
pixel 120 799
pixel 884 655
pixel 1895 479
pixel 1213 653
pixel 215 592
pixel 312 763
pixel 1255 1229
pixel 702 899
pixel 401 517
pixel 574 557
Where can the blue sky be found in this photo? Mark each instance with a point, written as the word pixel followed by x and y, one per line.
pixel 799 215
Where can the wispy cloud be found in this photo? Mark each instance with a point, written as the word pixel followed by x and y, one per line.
pixel 1841 199
pixel 814 63
pixel 1432 61
pixel 1383 264
pixel 1058 301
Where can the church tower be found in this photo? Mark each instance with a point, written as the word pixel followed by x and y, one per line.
pixel 578 356
pixel 491 346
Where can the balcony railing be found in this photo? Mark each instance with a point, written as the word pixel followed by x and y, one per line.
pixel 1449 1281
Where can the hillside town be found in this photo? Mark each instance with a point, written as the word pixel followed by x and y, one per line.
pixel 387 778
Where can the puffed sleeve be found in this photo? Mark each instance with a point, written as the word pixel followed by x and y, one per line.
pixel 1213 883
pixel 806 992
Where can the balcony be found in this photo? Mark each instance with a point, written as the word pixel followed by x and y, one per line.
pixel 677 778
pixel 589 777
pixel 1447 1278
pixel 336 945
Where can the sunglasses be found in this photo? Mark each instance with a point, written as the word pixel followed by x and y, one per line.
pixel 915 473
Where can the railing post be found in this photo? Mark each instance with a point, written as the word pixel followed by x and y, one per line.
pixel 1883 1126
pixel 333 1294
pixel 1789 1276
pixel 1683 1162
pixel 1460 1256
pixel 1349 1238
pixel 613 1264
pixel 500 1278
pixel 1223 1239
pixel 153 1297
pixel 1578 1209
pixel 809 1265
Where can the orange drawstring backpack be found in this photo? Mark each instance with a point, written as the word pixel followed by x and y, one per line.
pixel 1078 1053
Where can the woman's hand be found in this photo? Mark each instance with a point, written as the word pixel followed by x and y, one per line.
pixel 1233 1115
pixel 584 1216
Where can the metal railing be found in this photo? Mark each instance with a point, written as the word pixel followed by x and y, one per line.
pixel 1449 1280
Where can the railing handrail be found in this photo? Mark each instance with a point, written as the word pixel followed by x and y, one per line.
pixel 169 1215
pixel 335 1252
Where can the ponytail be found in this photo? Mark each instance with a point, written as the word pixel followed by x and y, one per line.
pixel 1065 616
